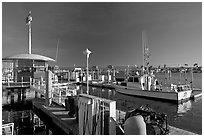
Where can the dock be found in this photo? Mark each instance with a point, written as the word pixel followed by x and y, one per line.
pixel 56 117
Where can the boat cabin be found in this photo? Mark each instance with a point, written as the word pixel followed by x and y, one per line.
pixel 181 87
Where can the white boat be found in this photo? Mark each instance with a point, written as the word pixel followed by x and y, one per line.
pixel 149 87
pixel 175 93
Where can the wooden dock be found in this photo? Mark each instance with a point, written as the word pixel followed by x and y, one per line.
pixel 57 119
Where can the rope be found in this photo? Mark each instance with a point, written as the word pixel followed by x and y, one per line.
pixel 96 118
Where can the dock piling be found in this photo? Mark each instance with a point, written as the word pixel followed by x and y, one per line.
pixel 60 96
pixel 48 93
pixel 19 94
pixel 30 81
pixel 22 81
pixel 12 96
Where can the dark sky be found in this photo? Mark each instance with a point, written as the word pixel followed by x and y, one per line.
pixel 112 31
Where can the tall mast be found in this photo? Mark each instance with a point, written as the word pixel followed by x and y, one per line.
pixel 28 22
pixel 57 50
pixel 145 51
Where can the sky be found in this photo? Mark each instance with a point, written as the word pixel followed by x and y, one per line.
pixel 112 31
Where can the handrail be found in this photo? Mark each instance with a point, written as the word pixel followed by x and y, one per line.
pixel 10 126
pixel 56 90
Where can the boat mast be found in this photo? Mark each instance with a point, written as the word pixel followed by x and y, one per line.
pixel 28 22
pixel 57 50
pixel 145 52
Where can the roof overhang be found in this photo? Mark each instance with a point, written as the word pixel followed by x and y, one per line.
pixel 28 57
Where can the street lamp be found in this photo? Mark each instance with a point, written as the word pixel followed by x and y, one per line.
pixel 87 52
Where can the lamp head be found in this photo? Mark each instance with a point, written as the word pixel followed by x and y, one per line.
pixel 87 52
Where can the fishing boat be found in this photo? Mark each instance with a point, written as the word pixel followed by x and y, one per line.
pixel 176 93
pixel 149 87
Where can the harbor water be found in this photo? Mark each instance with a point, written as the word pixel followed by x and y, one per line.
pixel 187 116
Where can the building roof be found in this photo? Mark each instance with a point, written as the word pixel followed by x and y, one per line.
pixel 28 57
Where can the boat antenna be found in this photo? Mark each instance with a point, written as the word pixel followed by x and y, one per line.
pixel 57 50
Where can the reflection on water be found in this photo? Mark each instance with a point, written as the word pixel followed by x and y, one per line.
pixel 25 122
pixel 17 96
pixel 184 107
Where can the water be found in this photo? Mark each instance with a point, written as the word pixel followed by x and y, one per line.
pixel 25 122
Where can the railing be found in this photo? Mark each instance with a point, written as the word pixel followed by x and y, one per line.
pixel 59 92
pixel 10 83
pixel 97 116
pixel 8 129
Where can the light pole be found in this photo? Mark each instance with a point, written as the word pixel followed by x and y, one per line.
pixel 28 22
pixel 87 52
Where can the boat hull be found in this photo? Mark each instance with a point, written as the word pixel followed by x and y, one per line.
pixel 163 95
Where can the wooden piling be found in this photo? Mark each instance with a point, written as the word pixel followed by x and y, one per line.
pixel 48 93
pixel 12 96
pixel 19 94
pixel 23 94
pixel 60 95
